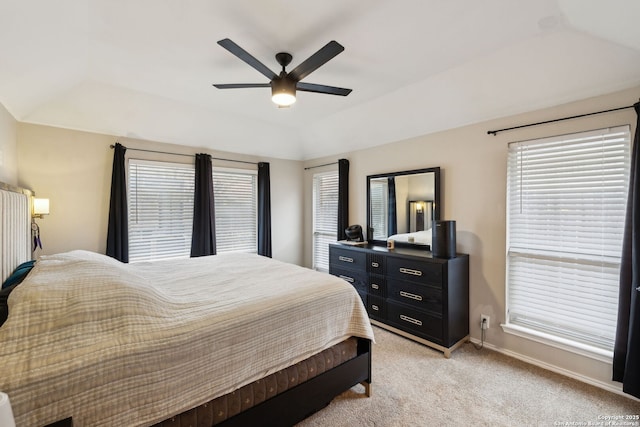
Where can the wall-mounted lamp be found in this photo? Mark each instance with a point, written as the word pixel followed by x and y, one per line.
pixel 283 91
pixel 40 207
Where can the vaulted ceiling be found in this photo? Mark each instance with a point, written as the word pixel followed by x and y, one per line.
pixel 145 68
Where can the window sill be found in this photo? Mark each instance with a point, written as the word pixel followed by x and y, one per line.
pixel 561 343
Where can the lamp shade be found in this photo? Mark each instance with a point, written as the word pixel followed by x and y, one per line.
pixel 6 414
pixel 283 91
pixel 41 206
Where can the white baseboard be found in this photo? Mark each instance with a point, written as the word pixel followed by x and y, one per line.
pixel 613 388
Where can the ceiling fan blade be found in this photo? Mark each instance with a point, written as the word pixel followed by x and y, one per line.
pixel 247 57
pixel 241 85
pixel 316 60
pixel 331 90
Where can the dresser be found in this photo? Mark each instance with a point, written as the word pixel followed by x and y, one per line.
pixel 409 292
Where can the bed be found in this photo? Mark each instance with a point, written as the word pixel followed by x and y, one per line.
pixel 92 341
pixel 417 237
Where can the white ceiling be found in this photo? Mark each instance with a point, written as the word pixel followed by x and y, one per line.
pixel 145 68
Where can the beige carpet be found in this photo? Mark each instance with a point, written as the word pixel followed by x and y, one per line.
pixel 414 385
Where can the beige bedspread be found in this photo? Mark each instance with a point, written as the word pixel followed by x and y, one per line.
pixel 131 344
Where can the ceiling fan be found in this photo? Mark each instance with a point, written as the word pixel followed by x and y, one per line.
pixel 284 86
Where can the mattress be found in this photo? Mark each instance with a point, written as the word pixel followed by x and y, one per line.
pixel 132 344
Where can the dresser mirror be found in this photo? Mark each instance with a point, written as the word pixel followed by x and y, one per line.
pixel 401 206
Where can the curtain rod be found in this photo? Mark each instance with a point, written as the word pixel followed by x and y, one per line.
pixel 494 132
pixel 319 166
pixel 186 155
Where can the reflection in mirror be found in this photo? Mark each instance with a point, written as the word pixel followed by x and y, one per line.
pixel 402 206
pixel 420 215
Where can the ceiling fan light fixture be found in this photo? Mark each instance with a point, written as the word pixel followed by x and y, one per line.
pixel 283 92
pixel 285 85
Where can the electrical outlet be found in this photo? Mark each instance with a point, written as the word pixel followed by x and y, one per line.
pixel 484 321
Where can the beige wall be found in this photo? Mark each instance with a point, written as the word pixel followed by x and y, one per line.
pixel 473 167
pixel 8 144
pixel 73 170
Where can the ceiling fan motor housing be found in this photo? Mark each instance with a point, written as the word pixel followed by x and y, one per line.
pixel 283 90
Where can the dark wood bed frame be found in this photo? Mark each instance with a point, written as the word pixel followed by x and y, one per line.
pixel 297 403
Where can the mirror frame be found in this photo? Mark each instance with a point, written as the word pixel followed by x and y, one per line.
pixel 436 198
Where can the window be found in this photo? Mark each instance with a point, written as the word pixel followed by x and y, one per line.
pixel 566 210
pixel 160 210
pixel 325 217
pixel 379 199
pixel 236 204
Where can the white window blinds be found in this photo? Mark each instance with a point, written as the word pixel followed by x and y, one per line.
pixel 379 200
pixel 325 217
pixel 566 208
pixel 160 210
pixel 236 200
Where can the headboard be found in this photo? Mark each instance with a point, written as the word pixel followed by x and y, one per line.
pixel 15 228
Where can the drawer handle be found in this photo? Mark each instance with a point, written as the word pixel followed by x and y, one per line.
pixel 411 296
pixel 347 278
pixel 345 259
pixel 375 265
pixel 375 307
pixel 410 271
pixel 410 320
pixel 374 286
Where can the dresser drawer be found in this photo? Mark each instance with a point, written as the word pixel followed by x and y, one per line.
pixel 419 296
pixel 359 279
pixel 375 263
pixel 346 258
pixel 376 307
pixel 415 271
pixel 415 321
pixel 377 285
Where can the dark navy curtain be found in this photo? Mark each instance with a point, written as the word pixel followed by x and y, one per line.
pixel 343 198
pixel 118 228
pixel 392 215
pixel 626 353
pixel 264 210
pixel 203 236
